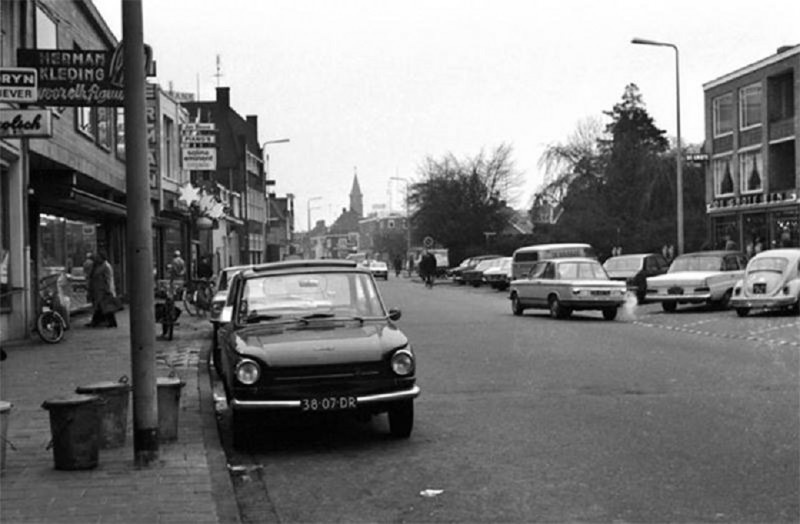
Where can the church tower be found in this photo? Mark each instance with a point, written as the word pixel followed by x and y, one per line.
pixel 356 199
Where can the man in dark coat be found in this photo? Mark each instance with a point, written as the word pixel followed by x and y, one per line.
pixel 102 291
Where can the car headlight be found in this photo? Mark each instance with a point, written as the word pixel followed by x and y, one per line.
pixel 247 372
pixel 403 363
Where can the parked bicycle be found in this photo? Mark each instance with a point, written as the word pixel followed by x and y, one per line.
pixel 50 324
pixel 197 297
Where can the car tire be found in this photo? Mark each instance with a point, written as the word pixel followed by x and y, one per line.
pixel 401 419
pixel 516 305
pixel 742 311
pixel 242 429
pixel 669 307
pixel 556 309
pixel 610 313
pixel 725 301
pixel 795 309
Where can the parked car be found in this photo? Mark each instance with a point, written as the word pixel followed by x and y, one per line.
pixel 499 277
pixel 221 285
pixel 634 270
pixel 525 257
pixel 311 337
pixel 474 275
pixel 771 281
pixel 457 274
pixel 378 268
pixel 565 285
pixel 704 277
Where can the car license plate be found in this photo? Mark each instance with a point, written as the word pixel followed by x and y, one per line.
pixel 675 291
pixel 759 289
pixel 332 403
pixel 601 293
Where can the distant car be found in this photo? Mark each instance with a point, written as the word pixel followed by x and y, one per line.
pixel 474 275
pixel 565 285
pixel 771 281
pixel 378 268
pixel 634 269
pixel 218 302
pixel 457 274
pixel 313 337
pixel 704 277
pixel 499 277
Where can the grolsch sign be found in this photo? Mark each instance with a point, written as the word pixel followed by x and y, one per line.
pixel 26 123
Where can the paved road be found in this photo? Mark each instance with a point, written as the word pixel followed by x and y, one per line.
pixel 654 417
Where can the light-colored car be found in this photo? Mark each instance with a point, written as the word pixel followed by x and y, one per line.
pixel 499 277
pixel 704 277
pixel 771 281
pixel 378 268
pixel 565 285
pixel 221 289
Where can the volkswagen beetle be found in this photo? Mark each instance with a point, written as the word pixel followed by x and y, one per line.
pixel 771 281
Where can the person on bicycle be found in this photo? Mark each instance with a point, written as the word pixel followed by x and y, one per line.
pixel 204 269
pixel 427 268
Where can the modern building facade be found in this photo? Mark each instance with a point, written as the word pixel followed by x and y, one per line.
pixel 753 177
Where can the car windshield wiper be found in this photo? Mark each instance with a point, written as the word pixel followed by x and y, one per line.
pixel 258 317
pixel 316 316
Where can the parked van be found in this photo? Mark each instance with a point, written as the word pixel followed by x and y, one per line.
pixel 524 257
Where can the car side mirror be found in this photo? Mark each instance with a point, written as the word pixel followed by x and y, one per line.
pixel 395 314
pixel 226 315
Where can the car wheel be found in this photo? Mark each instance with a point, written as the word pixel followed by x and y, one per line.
pixel 556 309
pixel 242 429
pixel 725 301
pixel 795 309
pixel 610 313
pixel 401 419
pixel 742 311
pixel 669 307
pixel 516 305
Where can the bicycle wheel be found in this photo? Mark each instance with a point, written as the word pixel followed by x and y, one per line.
pixel 189 302
pixel 50 327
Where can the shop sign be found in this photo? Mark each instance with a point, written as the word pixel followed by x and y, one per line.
pixel 18 84
pixel 199 158
pixel 745 201
pixel 77 77
pixel 26 123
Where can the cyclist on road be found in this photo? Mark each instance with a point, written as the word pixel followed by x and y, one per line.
pixel 427 268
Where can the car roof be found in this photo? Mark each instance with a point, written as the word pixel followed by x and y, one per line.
pixel 570 259
pixel 633 255
pixel 556 245
pixel 236 268
pixel 788 252
pixel 301 266
pixel 718 252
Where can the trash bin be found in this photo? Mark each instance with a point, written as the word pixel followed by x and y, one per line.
pixel 114 400
pixel 74 426
pixel 5 413
pixel 169 399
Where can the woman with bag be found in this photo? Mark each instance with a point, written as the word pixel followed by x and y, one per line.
pixel 103 293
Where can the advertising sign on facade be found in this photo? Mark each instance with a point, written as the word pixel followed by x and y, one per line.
pixel 199 158
pixel 26 123
pixel 18 84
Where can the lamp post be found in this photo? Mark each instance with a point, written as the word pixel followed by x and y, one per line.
pixel 408 216
pixel 267 183
pixel 679 153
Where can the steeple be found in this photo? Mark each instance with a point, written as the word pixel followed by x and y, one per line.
pixel 356 200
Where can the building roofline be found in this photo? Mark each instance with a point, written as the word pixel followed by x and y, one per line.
pixel 772 59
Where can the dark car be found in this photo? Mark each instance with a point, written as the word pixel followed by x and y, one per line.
pixel 311 337
pixel 634 270
pixel 468 264
pixel 474 275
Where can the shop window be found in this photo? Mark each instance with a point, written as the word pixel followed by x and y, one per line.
pixel 723 115
pixel 84 122
pixel 104 127
pixel 750 172
pixel 750 106
pixel 723 179
pixel 724 228
pixel 786 229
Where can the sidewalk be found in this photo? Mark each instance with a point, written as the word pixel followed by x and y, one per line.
pixel 188 483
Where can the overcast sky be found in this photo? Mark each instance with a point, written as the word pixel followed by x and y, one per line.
pixel 376 86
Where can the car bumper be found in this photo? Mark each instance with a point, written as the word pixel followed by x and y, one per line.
pixel 363 400
pixel 763 303
pixel 591 304
pixel 692 298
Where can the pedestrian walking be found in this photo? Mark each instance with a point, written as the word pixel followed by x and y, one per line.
pixel 88 265
pixel 103 292
pixel 427 268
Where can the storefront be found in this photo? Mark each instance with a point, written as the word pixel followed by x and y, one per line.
pixel 756 224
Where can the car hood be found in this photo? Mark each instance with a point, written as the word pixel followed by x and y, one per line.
pixel 333 342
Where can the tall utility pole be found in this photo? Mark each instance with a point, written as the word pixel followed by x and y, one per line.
pixel 140 242
pixel 408 216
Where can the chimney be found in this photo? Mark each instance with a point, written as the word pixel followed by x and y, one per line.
pixel 224 96
pixel 252 121
pixel 784 48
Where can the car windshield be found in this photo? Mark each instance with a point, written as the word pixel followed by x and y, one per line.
pixel 623 263
pixel 486 264
pixel 307 295
pixel 775 264
pixel 697 263
pixel 581 271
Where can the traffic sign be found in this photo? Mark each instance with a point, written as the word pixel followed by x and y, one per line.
pixel 427 242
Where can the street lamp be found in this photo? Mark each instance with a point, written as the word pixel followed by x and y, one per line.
pixel 679 154
pixel 408 215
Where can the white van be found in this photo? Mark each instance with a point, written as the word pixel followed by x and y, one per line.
pixel 524 257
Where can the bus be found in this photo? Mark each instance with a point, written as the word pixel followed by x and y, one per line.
pixel 523 258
